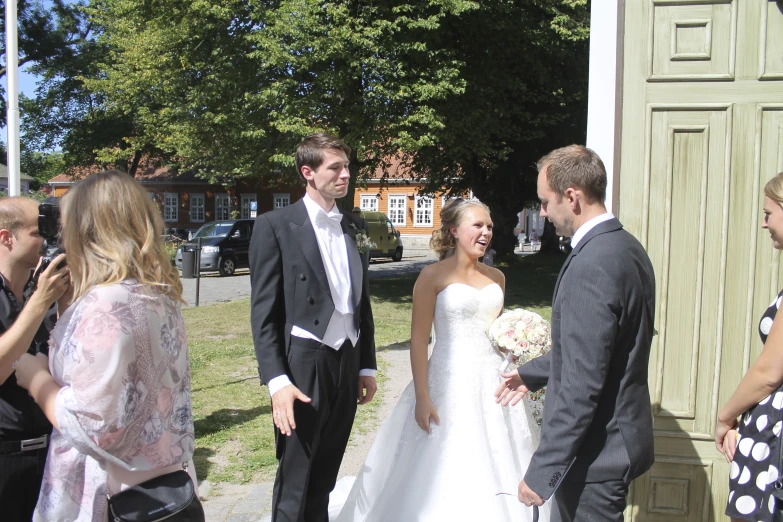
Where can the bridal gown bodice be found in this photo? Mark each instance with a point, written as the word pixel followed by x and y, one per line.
pixel 479 448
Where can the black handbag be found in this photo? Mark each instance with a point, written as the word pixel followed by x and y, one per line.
pixel 171 497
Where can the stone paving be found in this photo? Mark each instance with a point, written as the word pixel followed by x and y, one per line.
pixel 216 289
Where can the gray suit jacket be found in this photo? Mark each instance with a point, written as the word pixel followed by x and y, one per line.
pixel 597 423
pixel 289 287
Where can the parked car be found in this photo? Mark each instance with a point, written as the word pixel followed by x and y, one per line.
pixel 383 234
pixel 224 246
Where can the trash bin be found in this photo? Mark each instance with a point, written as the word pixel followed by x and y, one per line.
pixel 188 263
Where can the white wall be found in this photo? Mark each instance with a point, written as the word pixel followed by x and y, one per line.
pixel 605 89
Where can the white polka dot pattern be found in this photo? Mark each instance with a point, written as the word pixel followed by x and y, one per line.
pixel 754 469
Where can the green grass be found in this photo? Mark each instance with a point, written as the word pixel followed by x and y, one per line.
pixel 232 412
pixel 530 281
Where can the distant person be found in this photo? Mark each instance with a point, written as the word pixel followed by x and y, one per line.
pixel 751 417
pixel 489 257
pixel 119 392
pixel 26 317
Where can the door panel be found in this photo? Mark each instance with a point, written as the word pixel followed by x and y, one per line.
pixel 689 214
pixel 702 132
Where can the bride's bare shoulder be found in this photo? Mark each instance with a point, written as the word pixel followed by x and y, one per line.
pixel 432 275
pixel 494 274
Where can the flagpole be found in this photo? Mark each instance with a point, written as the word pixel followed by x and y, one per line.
pixel 12 116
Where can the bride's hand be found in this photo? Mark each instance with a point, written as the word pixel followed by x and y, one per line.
pixel 424 412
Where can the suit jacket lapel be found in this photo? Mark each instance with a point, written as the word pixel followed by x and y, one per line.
pixel 354 260
pixel 560 275
pixel 609 225
pixel 305 233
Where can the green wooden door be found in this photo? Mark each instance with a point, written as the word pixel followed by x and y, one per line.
pixel 702 132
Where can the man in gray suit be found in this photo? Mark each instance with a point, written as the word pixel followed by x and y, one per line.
pixel 597 426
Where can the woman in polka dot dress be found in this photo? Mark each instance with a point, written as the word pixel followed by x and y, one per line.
pixel 752 444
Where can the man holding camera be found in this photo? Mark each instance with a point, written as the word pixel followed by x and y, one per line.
pixel 27 315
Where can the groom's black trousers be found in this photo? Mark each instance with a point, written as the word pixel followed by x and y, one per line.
pixel 589 501
pixel 310 458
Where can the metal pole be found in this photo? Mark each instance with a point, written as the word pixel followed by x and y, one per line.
pixel 12 114
pixel 198 268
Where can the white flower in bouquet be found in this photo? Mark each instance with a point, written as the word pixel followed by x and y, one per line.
pixel 522 334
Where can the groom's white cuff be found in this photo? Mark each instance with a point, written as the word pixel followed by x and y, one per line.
pixel 278 383
pixel 281 381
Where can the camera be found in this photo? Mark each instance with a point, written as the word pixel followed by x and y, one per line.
pixel 49 229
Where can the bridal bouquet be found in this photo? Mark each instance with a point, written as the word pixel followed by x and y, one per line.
pixel 522 333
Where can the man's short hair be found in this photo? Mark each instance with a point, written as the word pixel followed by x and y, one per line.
pixel 578 167
pixel 311 151
pixel 13 213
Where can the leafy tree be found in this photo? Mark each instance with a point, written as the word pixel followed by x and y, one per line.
pixel 526 94
pixel 470 93
pixel 234 85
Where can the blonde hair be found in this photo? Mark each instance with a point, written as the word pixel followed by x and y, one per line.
pixel 112 233
pixel 443 241
pixel 774 189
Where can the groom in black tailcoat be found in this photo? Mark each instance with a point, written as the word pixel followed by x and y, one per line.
pixel 312 329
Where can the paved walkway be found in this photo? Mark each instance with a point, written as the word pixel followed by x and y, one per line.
pixel 216 289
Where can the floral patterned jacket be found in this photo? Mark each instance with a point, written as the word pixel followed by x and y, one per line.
pixel 121 356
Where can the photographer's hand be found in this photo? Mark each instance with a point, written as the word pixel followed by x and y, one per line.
pixel 52 283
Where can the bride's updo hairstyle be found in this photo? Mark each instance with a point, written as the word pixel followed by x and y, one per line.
pixel 443 241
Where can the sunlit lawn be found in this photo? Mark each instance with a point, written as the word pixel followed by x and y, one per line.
pixel 234 436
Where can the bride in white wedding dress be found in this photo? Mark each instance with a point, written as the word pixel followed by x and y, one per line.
pixel 447 449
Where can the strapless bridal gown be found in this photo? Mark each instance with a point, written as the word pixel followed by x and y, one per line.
pixel 478 450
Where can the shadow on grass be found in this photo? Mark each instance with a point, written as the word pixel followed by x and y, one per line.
pixel 201 458
pixel 404 346
pixel 226 418
pixel 254 377
pixel 397 290
pixel 530 280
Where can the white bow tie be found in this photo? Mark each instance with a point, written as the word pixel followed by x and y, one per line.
pixel 329 220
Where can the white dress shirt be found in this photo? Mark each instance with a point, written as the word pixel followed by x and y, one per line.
pixel 334 254
pixel 588 226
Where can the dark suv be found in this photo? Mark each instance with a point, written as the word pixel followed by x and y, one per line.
pixel 224 245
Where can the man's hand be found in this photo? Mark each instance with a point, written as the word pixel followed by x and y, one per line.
pixel 53 283
pixel 529 497
pixel 367 388
pixel 511 390
pixel 283 407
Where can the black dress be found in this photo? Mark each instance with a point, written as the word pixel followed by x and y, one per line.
pixel 755 465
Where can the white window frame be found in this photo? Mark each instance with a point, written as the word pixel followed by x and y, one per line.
pixel 391 211
pixel 167 217
pixel 194 208
pixel 222 204
pixel 281 199
pixel 245 205
pixel 424 212
pixel 368 202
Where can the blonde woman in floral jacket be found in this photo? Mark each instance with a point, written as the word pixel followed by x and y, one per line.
pixel 117 384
